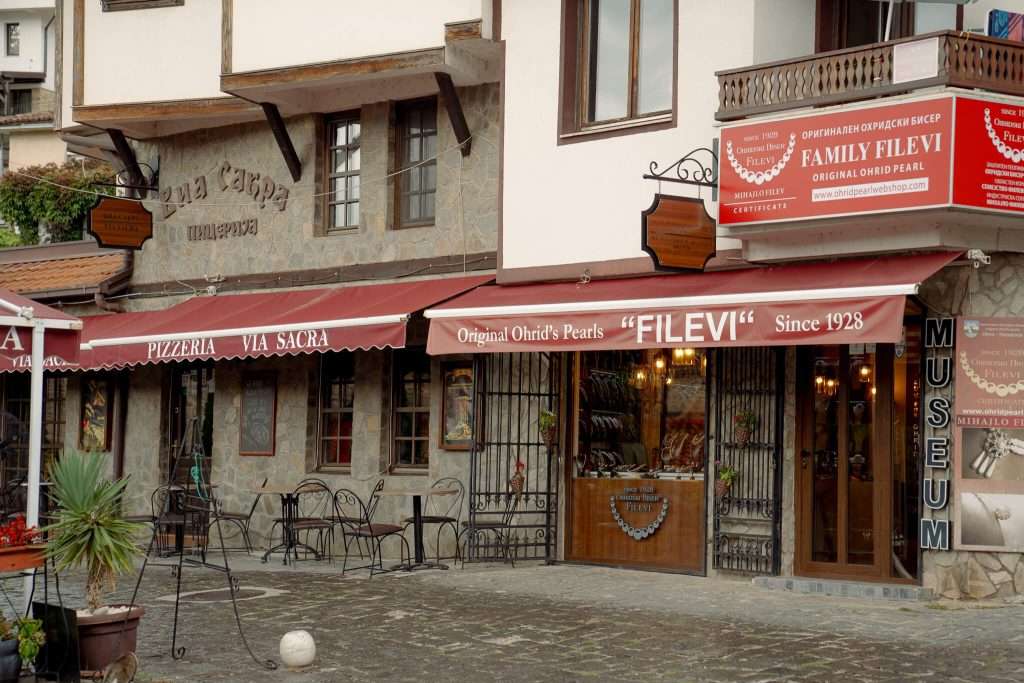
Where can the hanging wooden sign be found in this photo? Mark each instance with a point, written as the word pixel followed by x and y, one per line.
pixel 120 223
pixel 678 233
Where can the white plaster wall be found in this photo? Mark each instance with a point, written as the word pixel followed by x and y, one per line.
pixel 976 15
pixel 30 30
pixel 36 147
pixel 582 201
pixel 327 30
pixel 169 53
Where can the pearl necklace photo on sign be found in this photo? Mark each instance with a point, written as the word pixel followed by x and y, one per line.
pixel 1001 390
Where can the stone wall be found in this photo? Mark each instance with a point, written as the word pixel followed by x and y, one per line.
pixel 294 458
pixel 288 237
pixel 993 290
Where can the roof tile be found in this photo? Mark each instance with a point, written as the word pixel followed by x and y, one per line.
pixel 56 275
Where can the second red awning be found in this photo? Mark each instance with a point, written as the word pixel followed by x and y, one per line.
pixel 265 324
pixel 841 302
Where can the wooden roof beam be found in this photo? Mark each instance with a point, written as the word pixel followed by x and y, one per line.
pixel 450 98
pixel 284 141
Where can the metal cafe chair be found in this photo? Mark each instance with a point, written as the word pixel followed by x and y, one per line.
pixel 346 517
pixel 315 510
pixel 241 520
pixel 373 533
pixel 444 511
pixel 161 517
pixel 500 529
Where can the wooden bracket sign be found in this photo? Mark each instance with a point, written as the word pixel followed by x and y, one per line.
pixel 120 223
pixel 678 233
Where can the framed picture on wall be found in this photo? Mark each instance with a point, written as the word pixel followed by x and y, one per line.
pixel 94 434
pixel 258 414
pixel 457 406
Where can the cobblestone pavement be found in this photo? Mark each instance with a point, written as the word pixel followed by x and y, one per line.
pixel 568 623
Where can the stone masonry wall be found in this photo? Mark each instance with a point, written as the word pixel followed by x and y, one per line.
pixel 290 239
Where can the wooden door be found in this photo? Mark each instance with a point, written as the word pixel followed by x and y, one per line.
pixel 844 470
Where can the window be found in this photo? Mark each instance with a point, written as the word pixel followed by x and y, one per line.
pixel 619 63
pixel 343 158
pixel 417 151
pixel 337 397
pixel 850 23
pixel 13 40
pixel 411 400
pixel 20 102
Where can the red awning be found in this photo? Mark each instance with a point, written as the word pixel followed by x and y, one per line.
pixel 18 315
pixel 265 324
pixel 841 302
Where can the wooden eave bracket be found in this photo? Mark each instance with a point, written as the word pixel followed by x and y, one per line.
pixel 126 155
pixel 450 98
pixel 284 141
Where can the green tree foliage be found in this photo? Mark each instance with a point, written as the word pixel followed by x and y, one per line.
pixel 53 199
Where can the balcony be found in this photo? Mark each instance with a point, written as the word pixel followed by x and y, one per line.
pixel 963 60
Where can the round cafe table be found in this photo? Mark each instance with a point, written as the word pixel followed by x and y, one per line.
pixel 417 496
pixel 289 514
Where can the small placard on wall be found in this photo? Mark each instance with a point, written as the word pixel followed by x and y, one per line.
pixel 257 423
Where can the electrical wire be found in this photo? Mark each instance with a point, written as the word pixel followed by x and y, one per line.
pixel 185 205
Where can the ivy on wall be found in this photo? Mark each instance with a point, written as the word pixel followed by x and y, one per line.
pixel 55 200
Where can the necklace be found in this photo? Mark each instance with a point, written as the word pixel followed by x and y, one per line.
pixel 632 531
pixel 1014 155
pixel 760 177
pixel 1001 390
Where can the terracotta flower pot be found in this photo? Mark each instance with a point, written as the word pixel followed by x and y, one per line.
pixel 550 437
pixel 100 638
pixel 22 557
pixel 722 488
pixel 741 435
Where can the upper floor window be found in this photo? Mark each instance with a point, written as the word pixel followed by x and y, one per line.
pixel 13 40
pixel 343 157
pixel 851 23
pixel 417 154
pixel 619 64
pixel 20 102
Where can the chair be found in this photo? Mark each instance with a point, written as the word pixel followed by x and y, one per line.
pixel 350 505
pixel 346 516
pixel 161 516
pixel 241 520
pixel 444 511
pixel 315 511
pixel 501 528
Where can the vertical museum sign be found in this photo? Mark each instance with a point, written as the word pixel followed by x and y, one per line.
pixel 935 493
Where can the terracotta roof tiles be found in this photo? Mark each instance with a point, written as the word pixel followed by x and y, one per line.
pixel 62 275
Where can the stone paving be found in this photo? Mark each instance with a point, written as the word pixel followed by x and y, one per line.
pixel 567 623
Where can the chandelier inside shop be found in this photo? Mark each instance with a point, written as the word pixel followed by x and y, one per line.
pixel 826 379
pixel 662 368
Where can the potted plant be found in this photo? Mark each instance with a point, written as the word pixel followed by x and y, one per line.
pixel 19 546
pixel 548 423
pixel 19 645
pixel 744 424
pixel 726 476
pixel 90 532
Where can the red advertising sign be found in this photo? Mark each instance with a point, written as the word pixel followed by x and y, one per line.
pixel 60 349
pixel 989 155
pixel 841 321
pixel 856 161
pixel 990 373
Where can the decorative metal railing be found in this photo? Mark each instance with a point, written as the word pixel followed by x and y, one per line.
pixel 964 60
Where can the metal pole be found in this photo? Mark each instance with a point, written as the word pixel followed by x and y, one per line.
pixel 888 21
pixel 35 438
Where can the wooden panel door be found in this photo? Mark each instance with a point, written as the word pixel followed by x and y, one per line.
pixel 844 470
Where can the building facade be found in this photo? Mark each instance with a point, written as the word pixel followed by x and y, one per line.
pixel 750 301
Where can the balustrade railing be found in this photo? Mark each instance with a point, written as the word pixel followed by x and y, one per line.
pixel 964 60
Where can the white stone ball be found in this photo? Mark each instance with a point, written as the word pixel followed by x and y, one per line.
pixel 298 649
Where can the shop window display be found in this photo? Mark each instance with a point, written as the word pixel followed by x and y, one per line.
pixel 642 414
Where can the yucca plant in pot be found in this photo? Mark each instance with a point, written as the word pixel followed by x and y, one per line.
pixel 91 533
